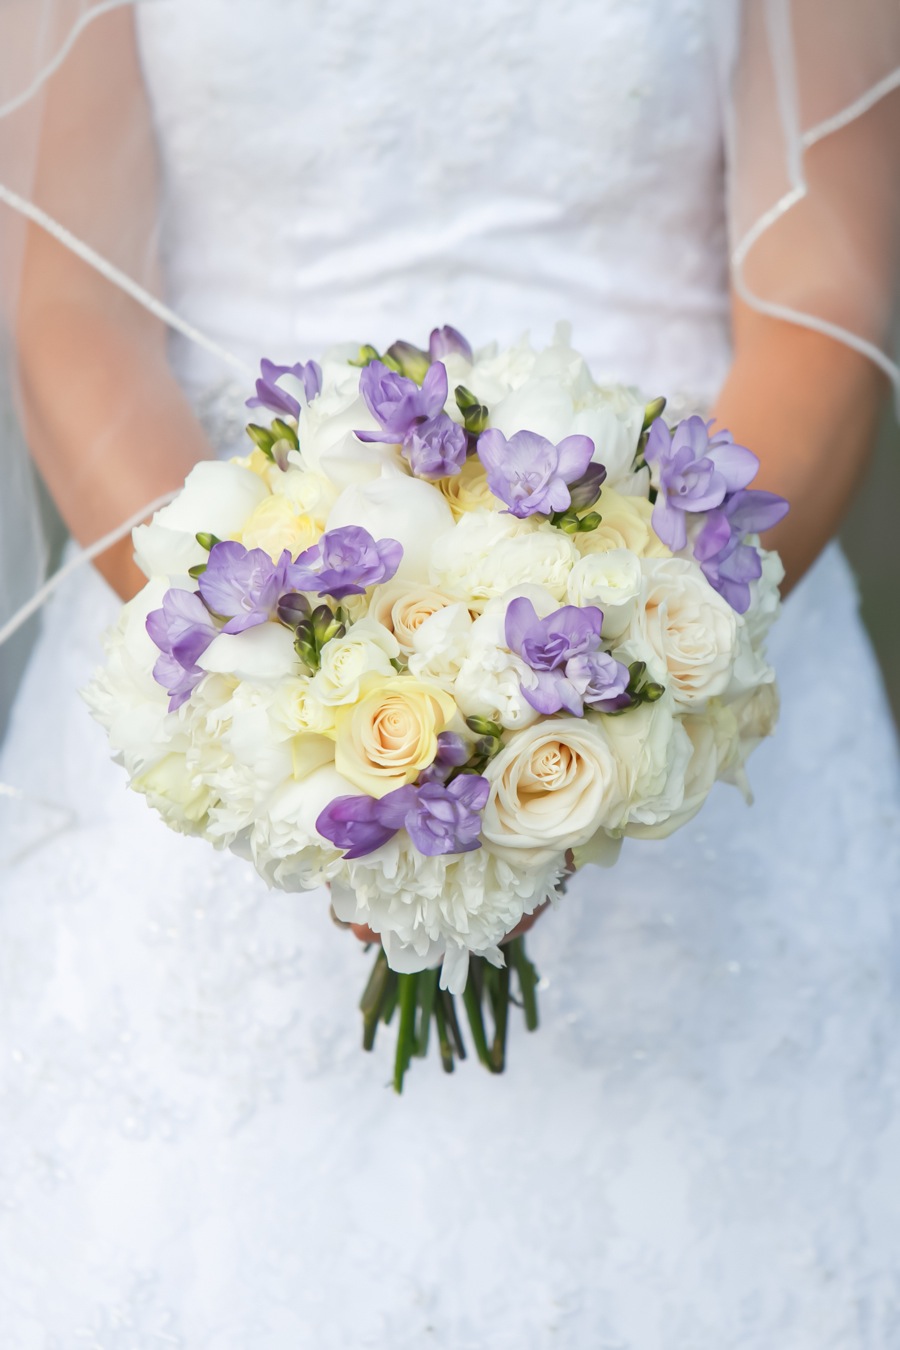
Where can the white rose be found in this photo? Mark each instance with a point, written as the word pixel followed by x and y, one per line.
pixel 653 750
pixel 397 507
pixel 367 648
pixel 552 787
pixel 612 582
pixel 403 606
pixel 216 498
pixel 296 709
pixel 488 553
pixel 684 630
pixel 692 781
pixel 440 646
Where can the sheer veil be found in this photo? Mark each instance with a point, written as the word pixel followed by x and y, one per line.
pixel 811 97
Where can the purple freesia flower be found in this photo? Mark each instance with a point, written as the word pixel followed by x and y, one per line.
pixel 695 472
pixel 530 473
pixel 728 563
pixel 397 403
pixel 243 585
pixel 448 341
pixel 600 680
pixel 182 630
pixel 439 818
pixel 279 387
pixel 436 448
pixel 344 562
pixel 547 646
pixel 452 753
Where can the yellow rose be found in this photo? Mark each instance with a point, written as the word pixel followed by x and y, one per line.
pixel 274 526
pixel 402 607
pixel 624 523
pixel 386 739
pixel 468 490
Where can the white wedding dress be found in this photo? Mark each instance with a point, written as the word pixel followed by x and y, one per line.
pixel 700 1149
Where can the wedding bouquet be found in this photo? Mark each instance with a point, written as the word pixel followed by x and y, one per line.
pixel 458 624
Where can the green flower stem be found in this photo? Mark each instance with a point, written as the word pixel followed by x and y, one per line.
pixel 528 980
pixel 443 1039
pixel 390 998
pixel 472 1002
pixel 501 1019
pixel 373 998
pixel 407 988
pixel 449 1005
pixel 428 982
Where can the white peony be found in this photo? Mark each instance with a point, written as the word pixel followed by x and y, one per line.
pixel 287 848
pixel 488 553
pixel 264 652
pixel 216 498
pixel 426 909
pixel 367 648
pixel 611 581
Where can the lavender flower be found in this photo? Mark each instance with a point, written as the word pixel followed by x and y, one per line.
pixel 398 404
pixel 530 473
pixel 362 824
pixel 728 563
pixel 601 681
pixel 695 472
pixel 448 341
pixel 547 646
pixel 344 562
pixel 436 448
pixel 439 818
pixel 279 387
pixel 447 818
pixel 182 630
pixel 452 753
pixel 243 585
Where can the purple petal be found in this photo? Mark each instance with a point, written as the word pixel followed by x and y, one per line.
pixel 521 623
pixel 575 454
pixel 471 790
pixel 752 511
pixel 669 525
pixel 737 465
pixel 445 341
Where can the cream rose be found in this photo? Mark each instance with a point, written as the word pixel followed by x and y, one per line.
pixel 653 750
pixel 366 649
pixel 552 787
pixel 687 778
pixel 275 526
pixel 402 607
pixel 624 523
pixel 684 630
pixel 468 490
pixel 390 735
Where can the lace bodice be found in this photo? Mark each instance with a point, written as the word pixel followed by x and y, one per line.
pixel 362 171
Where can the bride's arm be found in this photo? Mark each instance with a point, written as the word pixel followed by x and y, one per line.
pixel 809 407
pixel 105 418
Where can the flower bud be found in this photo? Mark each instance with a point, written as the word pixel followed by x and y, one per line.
pixel 367 354
pixel 207 541
pixel 293 609
pixel 261 438
pixel 589 522
pixel 284 432
pixel 483 726
pixel 475 414
pixel 586 489
pixel 410 361
pixel 653 410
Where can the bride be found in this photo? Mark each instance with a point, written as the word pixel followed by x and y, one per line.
pixel 701 1149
